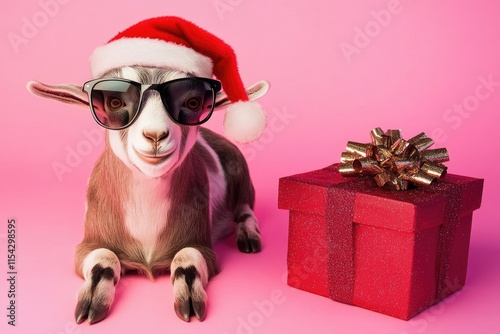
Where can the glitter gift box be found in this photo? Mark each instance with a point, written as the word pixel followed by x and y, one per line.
pixel 393 252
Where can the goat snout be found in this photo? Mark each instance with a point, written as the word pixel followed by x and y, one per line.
pixel 154 137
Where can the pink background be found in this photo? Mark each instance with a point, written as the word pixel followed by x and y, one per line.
pixel 413 69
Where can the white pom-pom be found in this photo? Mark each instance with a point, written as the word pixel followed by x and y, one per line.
pixel 244 122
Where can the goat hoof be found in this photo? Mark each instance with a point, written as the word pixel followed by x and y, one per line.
pixel 249 245
pixel 183 309
pixel 189 295
pixel 82 310
pixel 91 309
pixel 248 237
pixel 95 297
pixel 98 314
pixel 200 310
pixel 186 308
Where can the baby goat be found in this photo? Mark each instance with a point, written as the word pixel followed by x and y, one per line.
pixel 159 196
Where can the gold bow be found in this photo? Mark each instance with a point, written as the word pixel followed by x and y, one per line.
pixel 395 162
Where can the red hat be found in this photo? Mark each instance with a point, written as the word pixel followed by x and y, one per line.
pixel 179 44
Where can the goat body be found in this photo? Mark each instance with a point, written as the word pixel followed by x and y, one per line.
pixel 147 221
pixel 157 199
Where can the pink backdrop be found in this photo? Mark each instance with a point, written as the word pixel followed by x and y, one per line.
pixel 337 69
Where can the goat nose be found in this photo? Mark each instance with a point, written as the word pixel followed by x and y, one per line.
pixel 155 136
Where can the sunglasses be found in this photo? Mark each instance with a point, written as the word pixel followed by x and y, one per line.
pixel 116 103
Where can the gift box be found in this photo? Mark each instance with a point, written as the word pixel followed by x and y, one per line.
pixel 394 252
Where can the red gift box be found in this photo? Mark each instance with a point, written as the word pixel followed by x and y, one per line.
pixel 394 252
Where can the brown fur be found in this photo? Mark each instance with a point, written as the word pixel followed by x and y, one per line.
pixel 240 190
pixel 188 219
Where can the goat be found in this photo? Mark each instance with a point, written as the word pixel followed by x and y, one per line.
pixel 158 198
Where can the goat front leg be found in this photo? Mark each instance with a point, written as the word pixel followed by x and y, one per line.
pixel 247 231
pixel 189 276
pixel 101 271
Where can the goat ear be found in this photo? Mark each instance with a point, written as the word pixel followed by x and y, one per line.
pixel 65 93
pixel 254 92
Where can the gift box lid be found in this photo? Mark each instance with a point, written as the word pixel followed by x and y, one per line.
pixel 406 211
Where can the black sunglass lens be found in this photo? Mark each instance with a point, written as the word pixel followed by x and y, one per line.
pixel 189 101
pixel 115 103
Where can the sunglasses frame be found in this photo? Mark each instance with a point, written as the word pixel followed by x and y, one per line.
pixel 88 87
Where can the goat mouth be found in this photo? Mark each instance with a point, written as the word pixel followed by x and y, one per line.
pixel 153 159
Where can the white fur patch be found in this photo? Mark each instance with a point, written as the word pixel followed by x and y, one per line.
pixel 105 258
pixel 216 180
pixel 118 148
pixel 146 211
pixel 130 73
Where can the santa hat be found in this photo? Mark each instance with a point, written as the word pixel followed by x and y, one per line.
pixel 179 44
